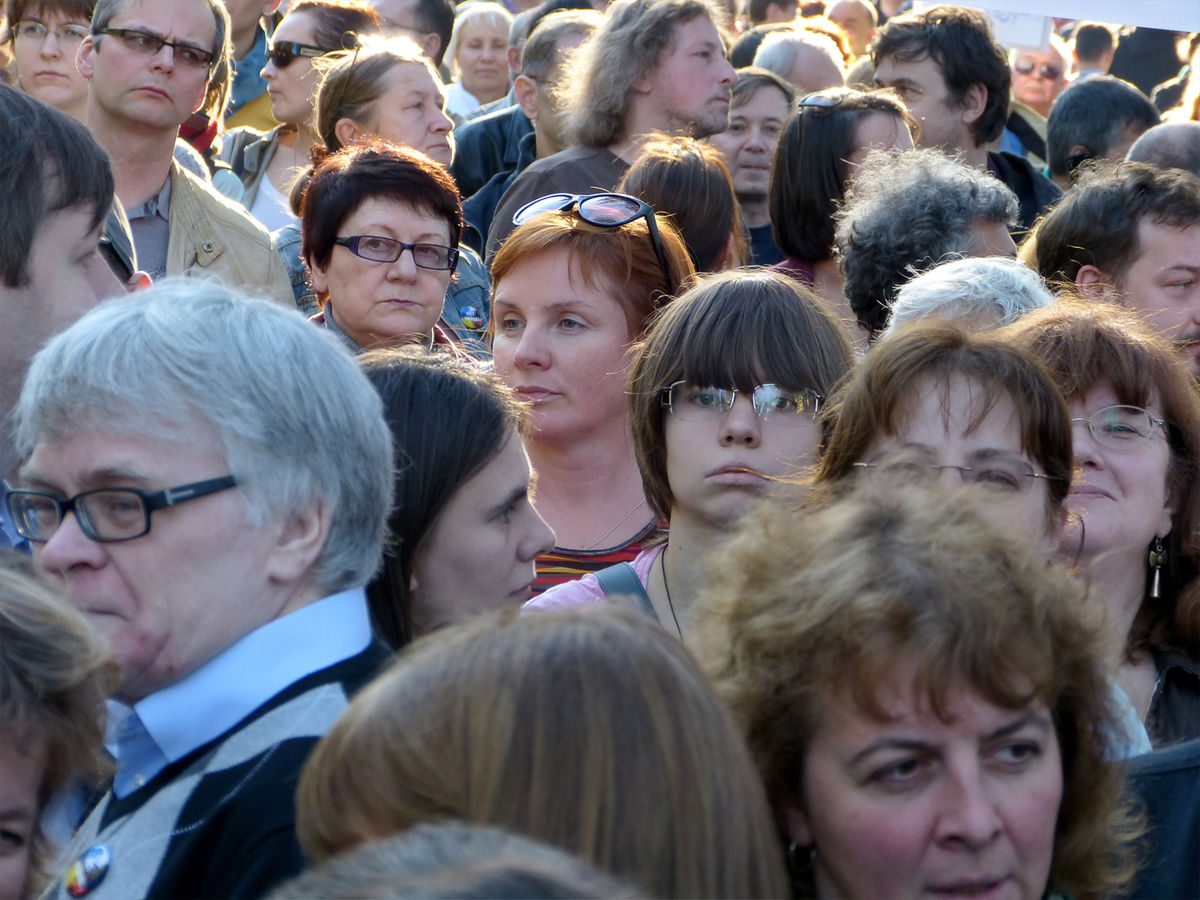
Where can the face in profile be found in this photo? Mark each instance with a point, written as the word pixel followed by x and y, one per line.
pixel 479 554
pixel 941 434
pixel 22 765
pixel 913 805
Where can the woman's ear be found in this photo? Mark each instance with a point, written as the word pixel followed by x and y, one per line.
pixel 347 131
pixel 796 823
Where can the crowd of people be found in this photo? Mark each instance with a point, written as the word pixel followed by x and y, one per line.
pixel 671 448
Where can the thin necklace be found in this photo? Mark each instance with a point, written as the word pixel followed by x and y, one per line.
pixel 619 523
pixel 667 587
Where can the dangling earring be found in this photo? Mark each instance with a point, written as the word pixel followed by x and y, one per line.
pixel 1158 553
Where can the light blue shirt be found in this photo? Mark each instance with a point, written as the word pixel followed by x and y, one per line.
pixel 171 723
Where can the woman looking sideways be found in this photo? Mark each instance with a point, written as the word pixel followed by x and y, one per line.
pixel 462 481
pixel 573 288
pixel 724 396
pixel 924 697
pixel 268 163
pixel 1135 500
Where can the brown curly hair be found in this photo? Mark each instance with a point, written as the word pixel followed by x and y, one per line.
pixel 802 600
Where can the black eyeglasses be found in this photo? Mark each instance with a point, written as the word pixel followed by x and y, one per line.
pixel 695 403
pixel 1045 71
pixel 145 44
pixel 386 250
pixel 284 53
pixel 606 210
pixel 107 515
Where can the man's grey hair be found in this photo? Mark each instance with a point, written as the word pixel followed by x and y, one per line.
pixel 779 50
pixel 630 44
pixel 906 212
pixel 295 419
pixel 1172 145
pixel 987 291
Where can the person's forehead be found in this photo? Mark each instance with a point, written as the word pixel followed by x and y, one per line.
pixel 397 12
pixel 763 95
pixel 924 69
pixel 192 20
pixel 44 12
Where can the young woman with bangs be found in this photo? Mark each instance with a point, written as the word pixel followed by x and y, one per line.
pixel 724 394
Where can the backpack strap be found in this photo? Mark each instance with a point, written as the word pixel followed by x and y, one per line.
pixel 621 580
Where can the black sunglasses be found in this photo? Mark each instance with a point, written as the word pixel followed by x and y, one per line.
pixel 606 210
pixel 283 53
pixel 1045 71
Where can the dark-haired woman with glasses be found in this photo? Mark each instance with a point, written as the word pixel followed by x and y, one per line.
pixel 380 227
pixel 44 36
pixel 831 132
pixel 1135 500
pixel 268 163
pixel 573 288
pixel 724 398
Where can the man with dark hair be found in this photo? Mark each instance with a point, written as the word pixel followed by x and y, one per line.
pixel 1092 48
pixel 150 66
pixel 1130 235
pixel 955 79
pixel 428 22
pixel 762 102
pixel 1098 117
pixel 57 188
pixel 655 65
pixel 1171 145
pixel 769 12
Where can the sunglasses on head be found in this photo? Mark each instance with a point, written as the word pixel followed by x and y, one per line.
pixel 606 210
pixel 1045 71
pixel 284 53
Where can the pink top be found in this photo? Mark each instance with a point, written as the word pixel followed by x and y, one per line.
pixel 587 589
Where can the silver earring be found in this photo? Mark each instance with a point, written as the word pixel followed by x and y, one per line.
pixel 1158 553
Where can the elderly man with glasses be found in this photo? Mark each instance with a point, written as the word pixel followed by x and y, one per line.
pixel 185 481
pixel 150 65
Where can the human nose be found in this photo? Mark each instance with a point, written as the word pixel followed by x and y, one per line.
pixel 1085 447
pixel 968 815
pixel 68 547
pixel 531 350
pixel 405 266
pixel 538 540
pixel 50 46
pixel 442 123
pixel 741 424
pixel 728 73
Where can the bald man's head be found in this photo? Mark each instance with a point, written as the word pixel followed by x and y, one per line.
pixel 1171 145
